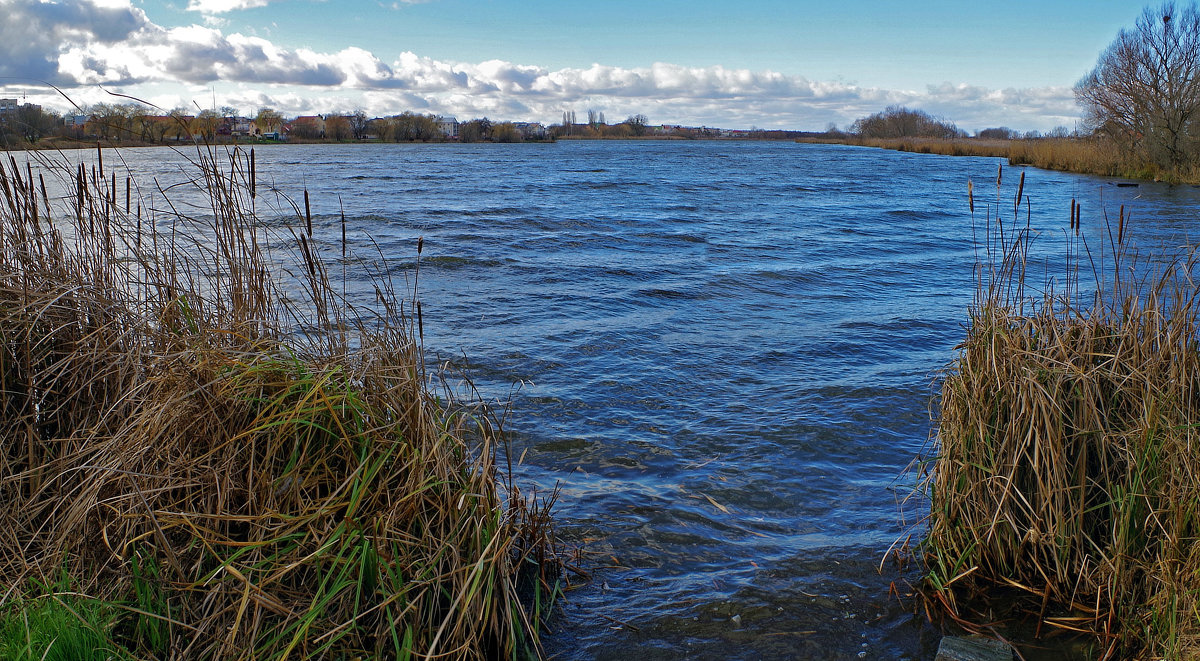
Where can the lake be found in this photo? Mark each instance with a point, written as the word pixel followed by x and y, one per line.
pixel 724 353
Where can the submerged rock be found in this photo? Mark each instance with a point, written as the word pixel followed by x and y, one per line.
pixel 957 648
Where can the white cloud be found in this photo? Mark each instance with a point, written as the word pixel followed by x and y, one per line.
pixel 223 6
pixel 34 34
pixel 76 43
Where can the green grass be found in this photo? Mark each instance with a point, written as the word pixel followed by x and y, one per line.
pixel 58 627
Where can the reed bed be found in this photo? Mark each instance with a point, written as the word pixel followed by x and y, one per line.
pixel 943 146
pixel 1066 451
pixel 1083 155
pixel 1088 155
pixel 209 453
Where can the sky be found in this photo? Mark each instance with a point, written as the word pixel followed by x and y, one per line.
pixel 778 64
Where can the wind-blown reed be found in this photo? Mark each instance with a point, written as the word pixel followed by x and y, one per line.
pixel 234 459
pixel 1067 449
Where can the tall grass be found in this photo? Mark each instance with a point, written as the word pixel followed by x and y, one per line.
pixel 1082 155
pixel 943 146
pixel 201 431
pixel 1066 457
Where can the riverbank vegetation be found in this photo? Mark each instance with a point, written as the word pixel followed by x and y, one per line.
pixel 1065 458
pixel 1082 154
pixel 211 453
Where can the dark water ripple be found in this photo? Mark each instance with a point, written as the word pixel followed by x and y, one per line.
pixel 726 354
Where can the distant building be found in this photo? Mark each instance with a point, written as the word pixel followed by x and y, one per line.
pixel 531 130
pixel 270 130
pixel 8 105
pixel 237 127
pixel 447 125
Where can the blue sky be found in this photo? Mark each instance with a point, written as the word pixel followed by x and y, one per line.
pixel 764 63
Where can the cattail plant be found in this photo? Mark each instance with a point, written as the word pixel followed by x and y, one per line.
pixel 1065 460
pixel 229 469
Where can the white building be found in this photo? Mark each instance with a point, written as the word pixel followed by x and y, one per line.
pixel 448 126
pixel 8 105
pixel 531 130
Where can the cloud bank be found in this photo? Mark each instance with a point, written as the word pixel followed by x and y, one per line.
pixel 80 44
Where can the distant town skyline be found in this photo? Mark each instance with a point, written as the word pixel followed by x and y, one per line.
pixel 798 65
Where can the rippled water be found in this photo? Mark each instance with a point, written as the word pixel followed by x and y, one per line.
pixel 726 353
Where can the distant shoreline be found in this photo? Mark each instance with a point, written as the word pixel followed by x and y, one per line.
pixel 63 144
pixel 1083 155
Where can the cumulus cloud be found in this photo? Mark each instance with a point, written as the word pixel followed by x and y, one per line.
pixel 77 43
pixel 35 34
pixel 223 6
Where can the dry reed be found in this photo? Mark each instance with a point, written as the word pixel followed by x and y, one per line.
pixel 1088 155
pixel 1066 454
pixel 239 461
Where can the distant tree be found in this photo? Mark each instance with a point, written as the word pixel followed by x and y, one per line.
pixel 268 120
pixel 900 122
pixel 476 130
pixel 114 120
pixel 1000 133
pixel 833 132
pixel 358 124
pixel 411 127
pixel 622 130
pixel 179 126
pixel 30 122
pixel 206 123
pixel 636 124
pixel 337 128
pixel 506 132
pixel 383 127
pixel 1145 89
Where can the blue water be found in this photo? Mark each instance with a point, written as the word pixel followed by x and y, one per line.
pixel 723 352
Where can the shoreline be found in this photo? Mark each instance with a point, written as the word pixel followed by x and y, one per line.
pixel 1075 155
pixel 73 144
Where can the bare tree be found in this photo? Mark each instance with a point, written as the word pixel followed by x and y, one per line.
pixel 637 124
pixel 337 127
pixel 358 124
pixel 1145 89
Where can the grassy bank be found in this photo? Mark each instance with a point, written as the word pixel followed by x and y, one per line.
pixel 1066 460
pixel 1080 155
pixel 209 454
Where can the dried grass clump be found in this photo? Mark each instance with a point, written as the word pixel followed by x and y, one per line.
pixel 1069 458
pixel 239 461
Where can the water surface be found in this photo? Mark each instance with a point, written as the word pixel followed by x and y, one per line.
pixel 724 354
